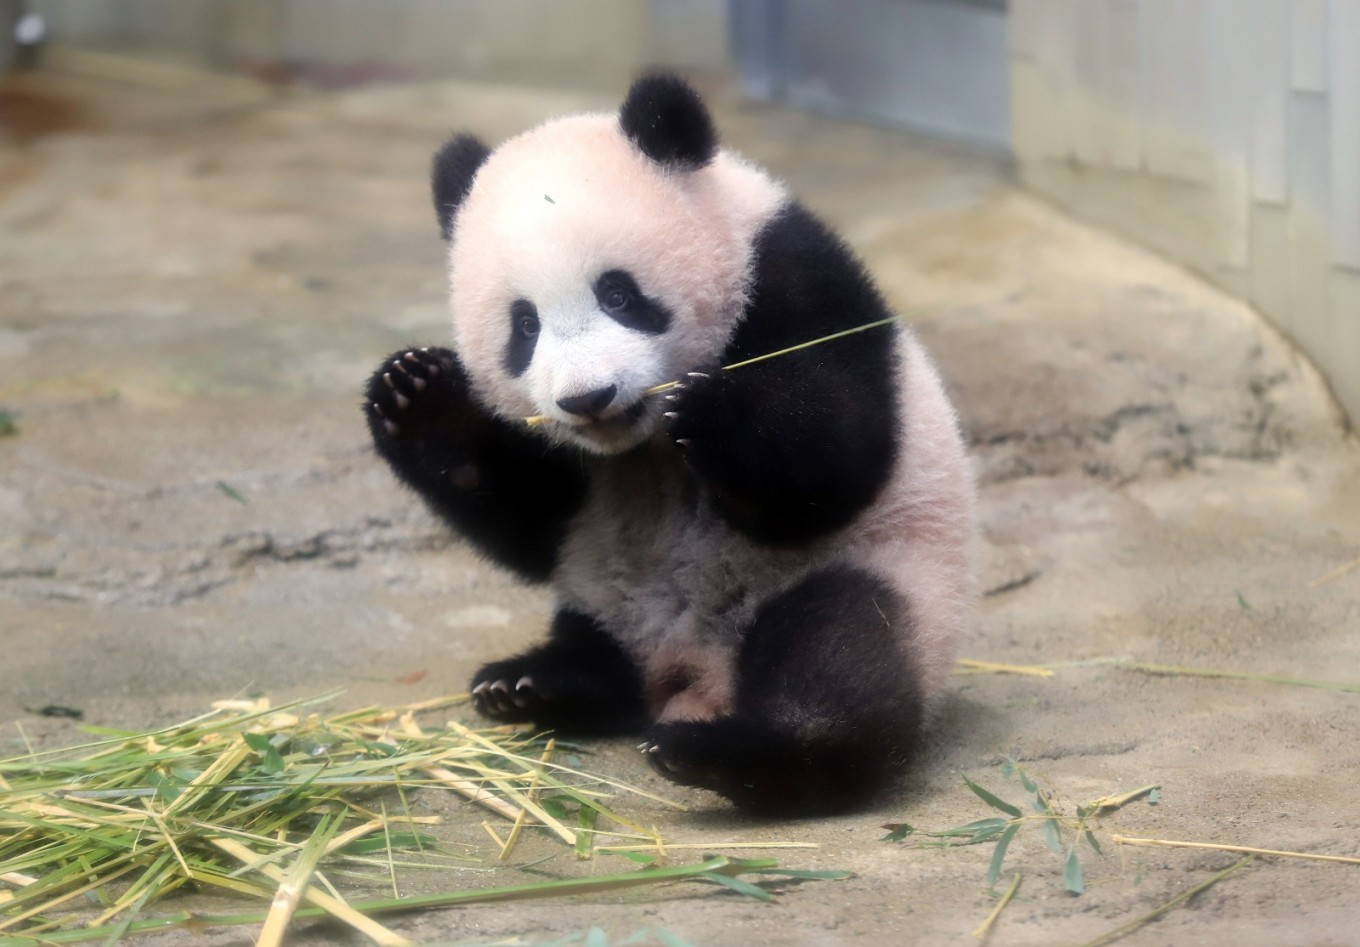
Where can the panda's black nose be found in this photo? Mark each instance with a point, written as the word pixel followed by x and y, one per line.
pixel 588 404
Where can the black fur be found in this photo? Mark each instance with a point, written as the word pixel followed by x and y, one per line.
pixel 669 123
pixel 506 490
pixel 519 351
pixel 828 709
pixel 455 165
pixel 621 300
pixel 580 682
pixel 794 447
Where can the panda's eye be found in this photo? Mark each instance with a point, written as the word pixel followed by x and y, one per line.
pixel 617 299
pixel 527 326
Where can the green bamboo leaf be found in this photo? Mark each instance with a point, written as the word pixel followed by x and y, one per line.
pixel 585 830
pixel 1072 879
pixel 1051 835
pixel 999 854
pixel 897 831
pixel 738 885
pixel 991 800
pixel 1091 840
pixel 972 829
pixel 595 937
pixel 639 858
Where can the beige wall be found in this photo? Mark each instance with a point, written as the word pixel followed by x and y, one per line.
pixel 1224 133
pixel 583 42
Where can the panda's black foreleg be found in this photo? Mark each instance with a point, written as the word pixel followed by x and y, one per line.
pixel 794 448
pixel 579 682
pixel 828 709
pixel 509 492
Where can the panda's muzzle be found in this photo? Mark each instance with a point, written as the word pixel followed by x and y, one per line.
pixel 590 404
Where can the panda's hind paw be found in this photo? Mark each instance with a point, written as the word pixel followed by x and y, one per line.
pixel 506 701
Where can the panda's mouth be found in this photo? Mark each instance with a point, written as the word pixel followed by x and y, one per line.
pixel 609 431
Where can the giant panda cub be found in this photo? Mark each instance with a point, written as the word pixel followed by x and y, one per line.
pixel 763 570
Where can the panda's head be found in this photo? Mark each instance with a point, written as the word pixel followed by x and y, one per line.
pixel 596 256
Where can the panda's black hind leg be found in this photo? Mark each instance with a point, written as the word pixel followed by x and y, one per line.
pixel 579 682
pixel 828 707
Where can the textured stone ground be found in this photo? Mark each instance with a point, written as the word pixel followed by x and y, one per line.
pixel 193 289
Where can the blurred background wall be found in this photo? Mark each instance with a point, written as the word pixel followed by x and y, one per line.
pixel 1223 133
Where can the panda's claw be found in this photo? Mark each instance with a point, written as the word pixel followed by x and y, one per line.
pixel 683 443
pixel 702 375
pixel 387 380
pixel 391 429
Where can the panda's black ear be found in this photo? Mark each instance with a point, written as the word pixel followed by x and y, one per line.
pixel 667 120
pixel 455 164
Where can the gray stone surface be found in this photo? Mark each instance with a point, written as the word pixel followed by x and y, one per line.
pixel 192 291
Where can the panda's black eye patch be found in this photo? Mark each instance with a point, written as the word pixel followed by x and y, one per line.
pixel 519 351
pixel 620 299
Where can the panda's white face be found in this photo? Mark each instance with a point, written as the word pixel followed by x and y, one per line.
pixel 583 273
pixel 586 354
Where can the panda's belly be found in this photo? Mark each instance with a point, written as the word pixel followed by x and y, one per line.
pixel 649 558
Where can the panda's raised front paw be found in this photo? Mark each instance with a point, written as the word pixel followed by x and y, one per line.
pixel 413 392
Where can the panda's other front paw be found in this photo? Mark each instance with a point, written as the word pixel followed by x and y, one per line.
pixel 699 412
pixel 415 392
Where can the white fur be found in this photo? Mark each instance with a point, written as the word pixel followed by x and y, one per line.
pixel 560 204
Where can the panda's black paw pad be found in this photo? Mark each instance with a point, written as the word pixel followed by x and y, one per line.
pixel 412 389
pixel 696 409
pixel 507 699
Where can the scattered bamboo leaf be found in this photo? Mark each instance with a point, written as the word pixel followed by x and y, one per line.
pixel 263 801
pixel 1072 876
pixel 738 885
pixel 897 831
pixel 999 853
pixel 232 492
pixel 992 800
pixel 7 425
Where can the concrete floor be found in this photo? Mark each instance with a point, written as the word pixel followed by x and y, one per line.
pixel 193 288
